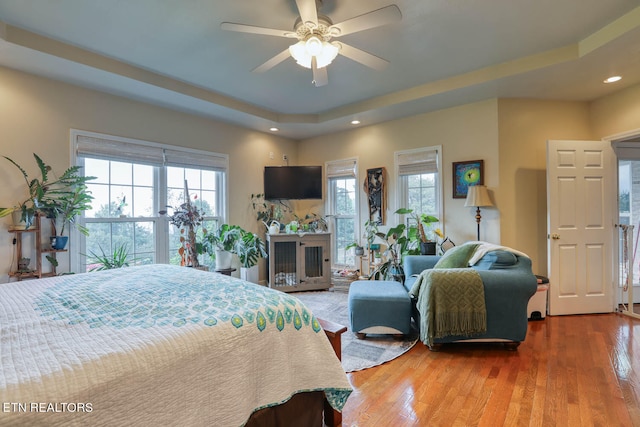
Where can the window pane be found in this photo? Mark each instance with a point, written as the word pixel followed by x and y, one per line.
pixel 144 242
pixel 99 237
pixel 208 202
pixel 143 175
pixel 345 234
pixel 143 202
pixel 209 179
pixel 175 177
pixel 121 201
pixel 97 168
pixel 421 193
pixel 343 206
pixel 121 173
pixel 193 178
pixel 100 202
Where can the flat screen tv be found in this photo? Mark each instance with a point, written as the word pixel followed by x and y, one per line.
pixel 292 182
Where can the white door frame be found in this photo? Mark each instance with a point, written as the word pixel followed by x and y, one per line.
pixel 629 138
pixel 581 192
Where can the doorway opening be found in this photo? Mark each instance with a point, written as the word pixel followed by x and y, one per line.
pixel 628 292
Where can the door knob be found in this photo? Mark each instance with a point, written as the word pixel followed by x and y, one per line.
pixel 555 236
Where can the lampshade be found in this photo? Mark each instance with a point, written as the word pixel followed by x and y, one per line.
pixel 305 50
pixel 478 195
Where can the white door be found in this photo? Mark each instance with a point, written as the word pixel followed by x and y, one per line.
pixel 581 201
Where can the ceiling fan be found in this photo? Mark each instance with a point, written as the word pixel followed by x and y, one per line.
pixel 314 48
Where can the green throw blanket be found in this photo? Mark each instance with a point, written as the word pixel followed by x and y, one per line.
pixel 450 302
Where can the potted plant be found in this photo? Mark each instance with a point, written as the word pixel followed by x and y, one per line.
pixel 396 243
pixel 423 232
pixel 222 243
pixel 64 209
pixel 118 259
pixel 250 248
pixel 64 198
pixel 187 218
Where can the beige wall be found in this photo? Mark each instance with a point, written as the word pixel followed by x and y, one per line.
pixel 468 132
pixel 524 128
pixel 617 113
pixel 38 113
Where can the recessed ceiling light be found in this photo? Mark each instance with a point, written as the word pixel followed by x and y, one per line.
pixel 355 122
pixel 612 79
pixel 274 129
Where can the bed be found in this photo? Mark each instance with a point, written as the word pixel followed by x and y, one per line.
pixel 158 345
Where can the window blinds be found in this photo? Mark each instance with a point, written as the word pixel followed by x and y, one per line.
pixel 188 159
pixel 108 149
pixel 154 155
pixel 417 162
pixel 341 169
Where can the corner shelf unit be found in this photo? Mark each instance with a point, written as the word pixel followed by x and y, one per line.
pixel 299 262
pixel 36 230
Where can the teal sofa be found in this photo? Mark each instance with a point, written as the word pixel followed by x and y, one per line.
pixel 508 282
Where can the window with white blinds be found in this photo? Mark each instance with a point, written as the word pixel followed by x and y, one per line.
pixel 418 177
pixel 134 181
pixel 342 207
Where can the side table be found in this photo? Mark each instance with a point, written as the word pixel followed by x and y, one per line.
pixel 226 271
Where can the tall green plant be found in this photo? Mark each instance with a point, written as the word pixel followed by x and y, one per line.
pixel 118 259
pixel 250 249
pixel 225 238
pixel 46 195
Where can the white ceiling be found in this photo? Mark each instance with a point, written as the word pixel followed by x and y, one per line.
pixel 443 53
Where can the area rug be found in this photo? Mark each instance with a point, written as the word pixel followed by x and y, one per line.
pixel 356 354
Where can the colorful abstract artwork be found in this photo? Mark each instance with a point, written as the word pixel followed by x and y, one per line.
pixel 466 174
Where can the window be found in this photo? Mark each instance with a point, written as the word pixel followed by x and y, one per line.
pixel 419 185
pixel 134 181
pixel 342 208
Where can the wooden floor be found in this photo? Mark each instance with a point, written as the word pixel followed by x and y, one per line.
pixel 570 371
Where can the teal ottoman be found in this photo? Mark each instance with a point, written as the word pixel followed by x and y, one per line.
pixel 379 307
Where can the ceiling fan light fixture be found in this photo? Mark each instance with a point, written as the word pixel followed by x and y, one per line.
pixel 305 50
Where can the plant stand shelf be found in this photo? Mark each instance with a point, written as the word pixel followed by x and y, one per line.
pixel 36 231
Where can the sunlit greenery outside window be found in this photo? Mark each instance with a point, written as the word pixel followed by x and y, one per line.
pixel 134 182
pixel 342 206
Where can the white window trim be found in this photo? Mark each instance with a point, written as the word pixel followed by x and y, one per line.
pixel 400 191
pixel 159 181
pixel 330 196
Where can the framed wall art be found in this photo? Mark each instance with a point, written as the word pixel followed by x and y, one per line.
pixel 374 186
pixel 465 174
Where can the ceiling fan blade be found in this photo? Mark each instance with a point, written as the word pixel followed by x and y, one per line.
pixel 308 12
pixel 320 77
pixel 377 18
pixel 272 62
pixel 252 29
pixel 362 57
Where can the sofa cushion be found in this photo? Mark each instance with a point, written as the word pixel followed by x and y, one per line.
pixel 496 260
pixel 457 257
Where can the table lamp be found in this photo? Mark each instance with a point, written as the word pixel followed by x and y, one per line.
pixel 477 195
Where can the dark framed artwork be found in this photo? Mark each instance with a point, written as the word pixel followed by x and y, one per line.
pixel 375 187
pixel 465 174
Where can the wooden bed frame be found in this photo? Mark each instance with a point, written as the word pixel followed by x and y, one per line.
pixel 305 408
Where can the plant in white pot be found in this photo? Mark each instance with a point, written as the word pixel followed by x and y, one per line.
pixel 250 249
pixel 222 243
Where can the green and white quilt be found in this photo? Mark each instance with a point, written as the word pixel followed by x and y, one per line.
pixel 156 345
